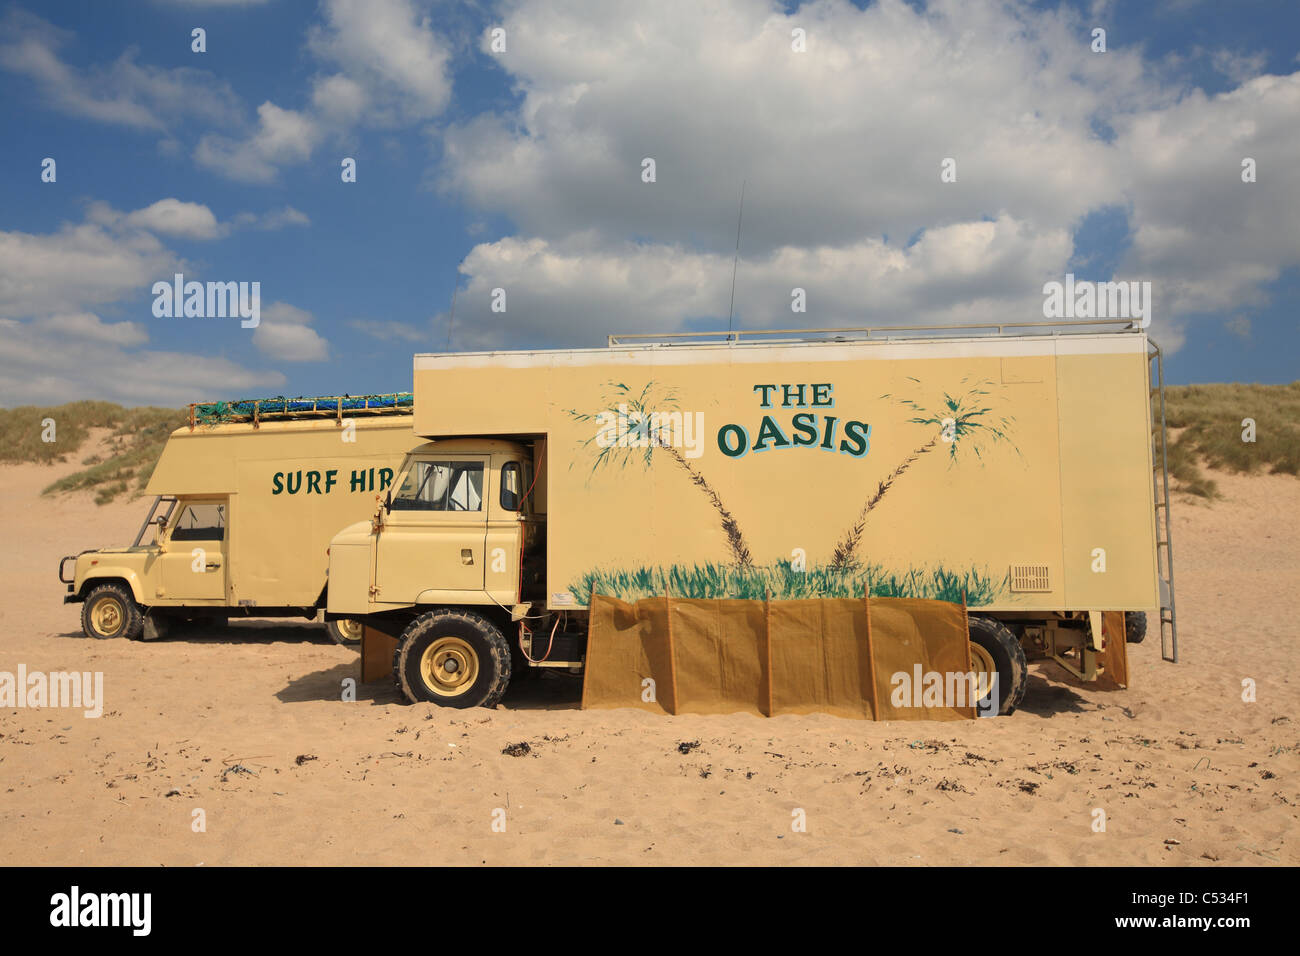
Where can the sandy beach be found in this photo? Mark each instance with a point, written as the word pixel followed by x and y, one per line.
pixel 246 724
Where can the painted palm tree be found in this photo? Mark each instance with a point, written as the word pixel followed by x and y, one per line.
pixel 965 423
pixel 648 437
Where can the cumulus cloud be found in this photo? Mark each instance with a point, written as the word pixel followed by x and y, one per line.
pixel 172 217
pixel 123 92
pixel 89 327
pixel 57 347
pixel 285 333
pixel 841 149
pixel 190 220
pixel 383 65
pixel 281 137
pixel 1209 241
pixel 42 364
pixel 392 60
pixel 966 272
pixel 77 267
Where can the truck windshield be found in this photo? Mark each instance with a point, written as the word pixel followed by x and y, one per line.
pixel 159 514
pixel 441 486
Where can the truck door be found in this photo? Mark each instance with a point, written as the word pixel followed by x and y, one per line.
pixel 433 537
pixel 194 562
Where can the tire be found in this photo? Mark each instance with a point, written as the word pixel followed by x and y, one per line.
pixel 452 658
pixel 1135 626
pixel 346 632
pixel 110 611
pixel 1007 655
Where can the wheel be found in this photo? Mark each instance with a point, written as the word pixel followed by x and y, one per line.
pixel 453 658
pixel 1135 626
pixel 994 648
pixel 346 632
pixel 111 611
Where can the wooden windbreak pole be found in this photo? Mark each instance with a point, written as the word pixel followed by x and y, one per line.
pixel 871 654
pixel 970 664
pixel 767 647
pixel 672 651
pixel 591 600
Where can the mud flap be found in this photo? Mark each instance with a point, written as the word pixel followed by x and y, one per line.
pixel 377 649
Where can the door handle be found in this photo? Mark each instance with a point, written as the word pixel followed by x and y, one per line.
pixel 466 555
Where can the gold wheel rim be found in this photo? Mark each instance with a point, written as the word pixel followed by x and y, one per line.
pixel 449 666
pixel 349 629
pixel 985 669
pixel 107 615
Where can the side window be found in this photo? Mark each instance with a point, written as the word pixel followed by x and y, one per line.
pixel 511 486
pixel 441 486
pixel 205 521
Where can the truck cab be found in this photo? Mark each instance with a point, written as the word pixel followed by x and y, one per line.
pixel 451 531
pixel 458 543
pixel 178 560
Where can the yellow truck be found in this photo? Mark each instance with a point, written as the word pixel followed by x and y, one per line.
pixel 1018 469
pixel 246 499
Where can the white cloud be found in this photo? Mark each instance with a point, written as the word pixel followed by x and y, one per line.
pixel 190 220
pixel 388 53
pixel 285 333
pixel 1209 241
pixel 56 347
pixel 172 217
pixel 90 327
pixel 282 137
pixel 42 363
pixel 966 272
pixel 841 149
pixel 77 268
pixel 273 220
pixel 386 330
pixel 122 92
pixel 385 66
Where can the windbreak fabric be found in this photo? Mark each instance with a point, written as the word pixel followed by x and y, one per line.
pixel 849 657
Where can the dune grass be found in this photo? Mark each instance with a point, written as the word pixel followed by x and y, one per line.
pixel 23 430
pixel 733 581
pixel 1209 419
pixel 135 441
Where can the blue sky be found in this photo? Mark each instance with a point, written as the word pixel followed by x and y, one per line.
pixel 522 170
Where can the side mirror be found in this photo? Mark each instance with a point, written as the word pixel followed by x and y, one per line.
pixel 388 502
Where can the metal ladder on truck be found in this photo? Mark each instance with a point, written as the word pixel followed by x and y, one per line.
pixel 1164 532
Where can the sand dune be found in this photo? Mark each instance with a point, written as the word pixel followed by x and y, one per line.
pixel 247 725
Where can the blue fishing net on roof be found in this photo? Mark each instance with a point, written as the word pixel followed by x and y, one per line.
pixel 214 413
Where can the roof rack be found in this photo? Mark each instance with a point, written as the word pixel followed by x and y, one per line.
pixel 881 333
pixel 258 410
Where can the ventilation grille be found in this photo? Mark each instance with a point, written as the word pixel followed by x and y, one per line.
pixel 1030 577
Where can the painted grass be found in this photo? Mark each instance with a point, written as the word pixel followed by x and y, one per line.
pixel 732 581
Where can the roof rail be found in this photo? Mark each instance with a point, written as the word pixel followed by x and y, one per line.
pixel 258 410
pixel 881 332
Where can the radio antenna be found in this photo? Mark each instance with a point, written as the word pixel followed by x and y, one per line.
pixel 452 317
pixel 731 311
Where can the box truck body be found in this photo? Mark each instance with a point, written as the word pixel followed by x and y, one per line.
pixel 243 514
pixel 1011 472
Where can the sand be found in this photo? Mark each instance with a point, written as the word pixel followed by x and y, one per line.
pixel 246 725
